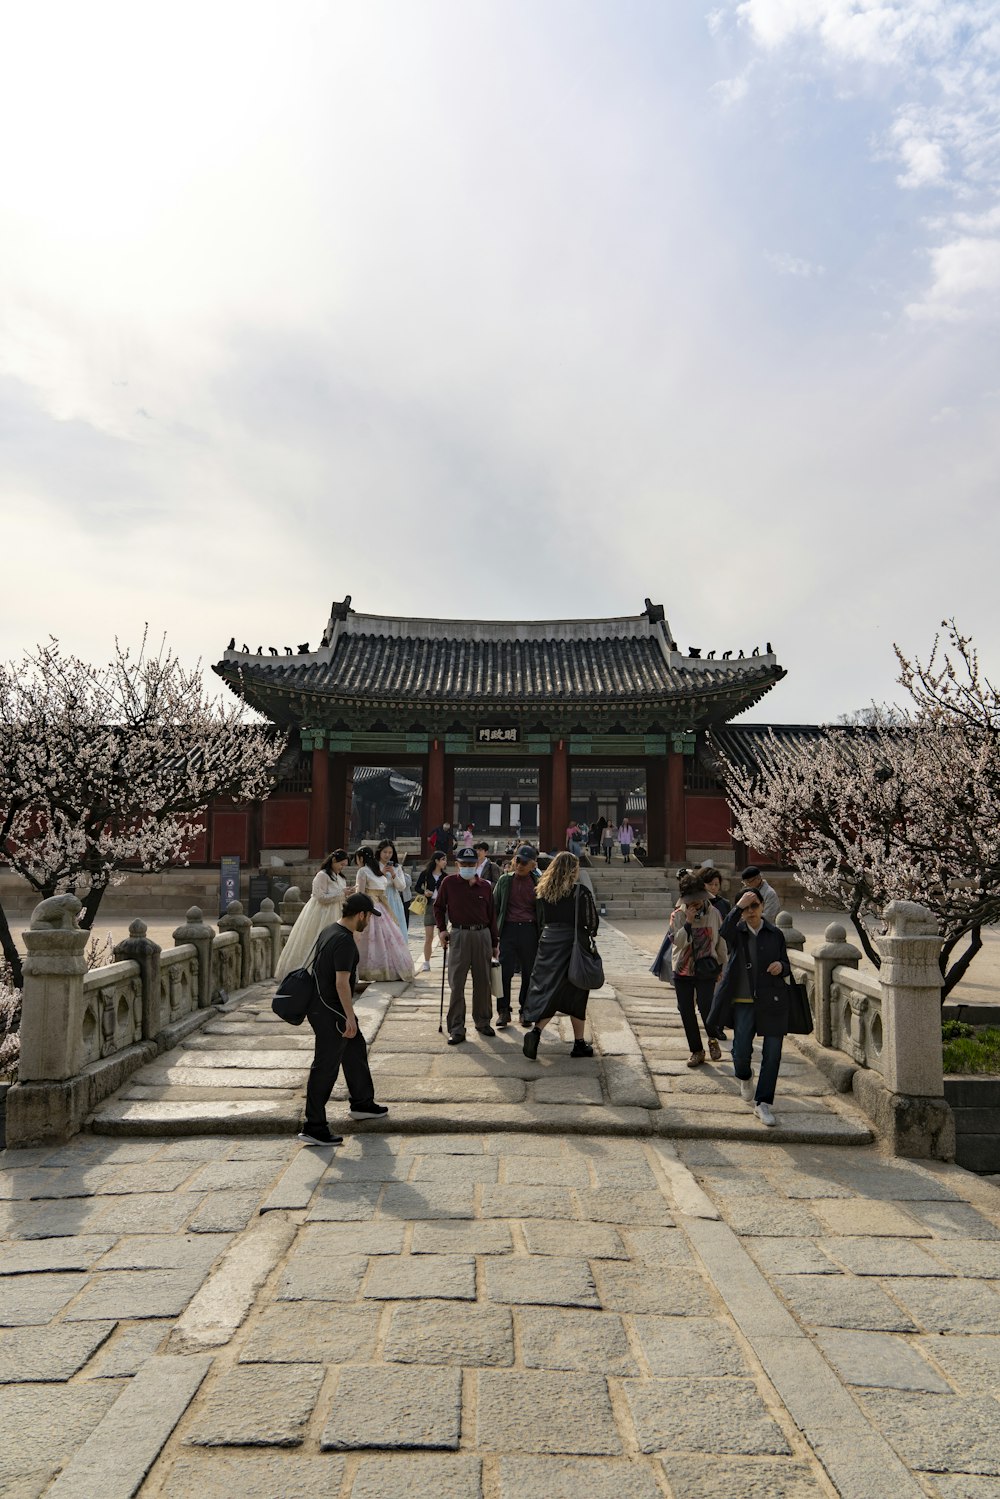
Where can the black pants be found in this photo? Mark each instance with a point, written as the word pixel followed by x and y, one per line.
pixel 518 945
pixel 687 990
pixel 334 1051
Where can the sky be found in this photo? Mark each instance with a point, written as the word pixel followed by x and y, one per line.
pixel 515 309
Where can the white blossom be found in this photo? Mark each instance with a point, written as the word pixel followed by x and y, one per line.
pixel 905 805
pixel 109 769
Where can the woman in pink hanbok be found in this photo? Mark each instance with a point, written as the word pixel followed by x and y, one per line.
pixel 383 949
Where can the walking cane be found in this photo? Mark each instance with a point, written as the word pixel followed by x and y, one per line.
pixel 444 971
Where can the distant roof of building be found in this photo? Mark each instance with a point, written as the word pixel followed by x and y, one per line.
pixel 750 744
pixel 368 660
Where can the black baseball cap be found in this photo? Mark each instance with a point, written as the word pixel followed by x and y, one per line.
pixel 525 853
pixel 466 856
pixel 750 873
pixel 354 905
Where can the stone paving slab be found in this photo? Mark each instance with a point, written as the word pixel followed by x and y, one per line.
pixel 556 1273
pixel 245 1073
pixel 396 1407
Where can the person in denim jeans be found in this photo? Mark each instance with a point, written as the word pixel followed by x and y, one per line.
pixel 752 997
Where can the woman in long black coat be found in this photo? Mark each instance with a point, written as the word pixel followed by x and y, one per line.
pixel 564 907
pixel 752 997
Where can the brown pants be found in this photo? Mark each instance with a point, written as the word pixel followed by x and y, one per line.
pixel 469 951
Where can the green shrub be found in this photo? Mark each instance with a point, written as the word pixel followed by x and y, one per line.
pixel 976 1052
pixel 956 1030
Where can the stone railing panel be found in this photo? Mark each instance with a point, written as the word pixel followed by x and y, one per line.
pixel 178 982
pixel 227 964
pixel 261 966
pixel 856 1023
pixel 112 1011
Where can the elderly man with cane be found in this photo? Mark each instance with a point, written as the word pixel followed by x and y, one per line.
pixel 466 901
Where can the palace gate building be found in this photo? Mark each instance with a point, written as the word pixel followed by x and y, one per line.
pixel 543 717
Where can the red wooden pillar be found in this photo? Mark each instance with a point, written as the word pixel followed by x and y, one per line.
pixel 432 802
pixel 545 841
pixel 449 793
pixel 676 811
pixel 559 801
pixel 657 837
pixel 319 808
pixel 341 774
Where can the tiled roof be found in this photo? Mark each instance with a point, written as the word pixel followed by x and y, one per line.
pixel 750 745
pixel 384 662
pixel 395 668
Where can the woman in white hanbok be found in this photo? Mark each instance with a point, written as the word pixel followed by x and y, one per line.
pixel 321 910
pixel 383 950
pixel 387 862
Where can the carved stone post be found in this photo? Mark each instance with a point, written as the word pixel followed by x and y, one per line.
pixel 911 1001
pixel 235 921
pixel 138 948
pixel 199 934
pixel 268 917
pixel 52 1006
pixel 836 952
pixel 292 905
pixel 794 941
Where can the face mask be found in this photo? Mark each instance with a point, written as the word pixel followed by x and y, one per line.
pixel 467 874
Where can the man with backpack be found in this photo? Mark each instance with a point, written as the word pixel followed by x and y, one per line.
pixel 339 1042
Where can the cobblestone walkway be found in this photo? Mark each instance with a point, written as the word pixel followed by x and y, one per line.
pixel 495 1316
pixel 244 1072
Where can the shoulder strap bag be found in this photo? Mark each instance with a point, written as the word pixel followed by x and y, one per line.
pixel 586 970
pixel 297 990
pixel 800 1021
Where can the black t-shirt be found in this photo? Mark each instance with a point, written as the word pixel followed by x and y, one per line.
pixel 338 954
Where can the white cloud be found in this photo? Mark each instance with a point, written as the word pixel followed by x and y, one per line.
pixel 792 265
pixel 935 66
pixel 729 91
pixel 966 277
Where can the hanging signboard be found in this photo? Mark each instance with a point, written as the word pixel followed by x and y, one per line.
pixel 229 881
pixel 498 733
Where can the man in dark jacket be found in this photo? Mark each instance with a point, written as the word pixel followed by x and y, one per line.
pixel 443 840
pixel 517 923
pixel 485 866
pixel 752 997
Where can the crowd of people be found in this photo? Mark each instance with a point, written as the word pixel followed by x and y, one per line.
pixel 728 963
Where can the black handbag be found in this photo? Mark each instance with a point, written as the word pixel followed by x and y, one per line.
pixel 297 990
pixel 707 968
pixel 800 1021
pixel 586 970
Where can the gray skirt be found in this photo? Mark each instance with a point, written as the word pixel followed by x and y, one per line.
pixel 551 992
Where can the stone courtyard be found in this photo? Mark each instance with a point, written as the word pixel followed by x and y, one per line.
pixel 534 1281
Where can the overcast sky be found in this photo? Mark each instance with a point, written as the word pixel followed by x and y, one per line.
pixel 503 308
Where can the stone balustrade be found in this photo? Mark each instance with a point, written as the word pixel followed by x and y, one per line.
pixel 878 1035
pixel 84 1033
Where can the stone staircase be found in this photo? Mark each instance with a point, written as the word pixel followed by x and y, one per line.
pixel 632 893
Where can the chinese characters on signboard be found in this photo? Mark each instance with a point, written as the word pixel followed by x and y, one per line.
pixel 498 734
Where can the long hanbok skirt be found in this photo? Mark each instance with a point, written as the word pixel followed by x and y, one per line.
pixel 551 992
pixel 395 903
pixel 314 918
pixel 384 953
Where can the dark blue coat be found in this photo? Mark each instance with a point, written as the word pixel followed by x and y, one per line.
pixel 770 1005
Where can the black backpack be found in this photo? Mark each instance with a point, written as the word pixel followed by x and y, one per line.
pixel 297 990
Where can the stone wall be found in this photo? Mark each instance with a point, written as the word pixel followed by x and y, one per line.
pixel 879 1035
pixel 84 1033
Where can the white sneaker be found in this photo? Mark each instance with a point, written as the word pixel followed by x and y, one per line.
pixel 763 1112
pixel 425 967
pixel 746 1088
